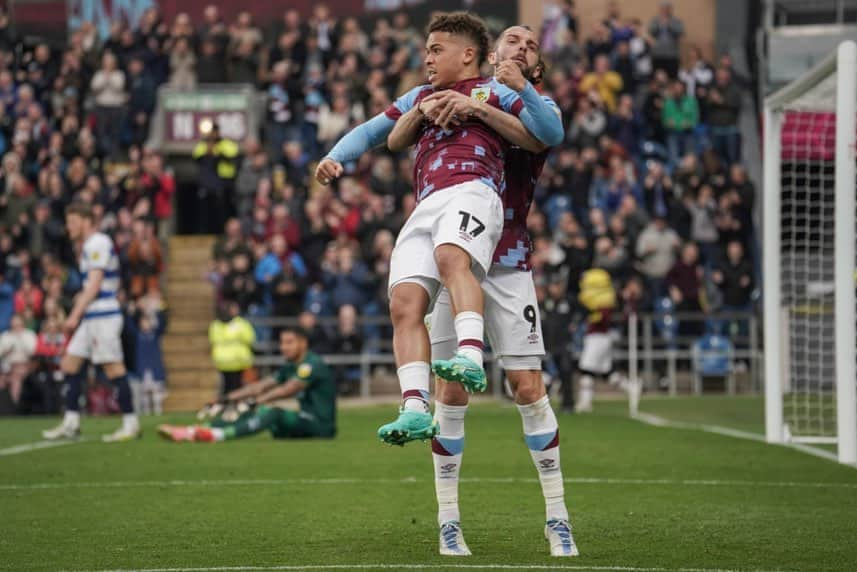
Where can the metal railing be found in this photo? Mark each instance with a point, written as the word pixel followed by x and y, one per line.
pixel 649 346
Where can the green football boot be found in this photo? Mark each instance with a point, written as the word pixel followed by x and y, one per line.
pixel 410 426
pixel 462 370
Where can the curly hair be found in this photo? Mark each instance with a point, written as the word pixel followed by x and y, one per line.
pixel 467 25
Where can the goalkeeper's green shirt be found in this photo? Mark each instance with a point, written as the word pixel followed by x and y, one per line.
pixel 318 400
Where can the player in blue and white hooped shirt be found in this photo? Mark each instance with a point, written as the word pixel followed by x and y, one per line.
pixel 96 320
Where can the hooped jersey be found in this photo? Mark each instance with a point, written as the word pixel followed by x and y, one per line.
pixel 98 253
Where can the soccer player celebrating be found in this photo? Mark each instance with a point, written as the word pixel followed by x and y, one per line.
pixel 304 375
pixel 451 235
pixel 96 320
pixel 511 316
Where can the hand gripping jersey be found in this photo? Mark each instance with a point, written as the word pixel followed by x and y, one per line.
pixel 465 152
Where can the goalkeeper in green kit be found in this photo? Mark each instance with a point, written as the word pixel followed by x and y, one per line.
pixel 250 410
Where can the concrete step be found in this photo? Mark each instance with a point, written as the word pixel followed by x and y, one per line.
pixel 185 344
pixel 203 313
pixel 186 272
pixel 199 378
pixel 188 326
pixel 187 361
pixel 196 288
pixel 191 240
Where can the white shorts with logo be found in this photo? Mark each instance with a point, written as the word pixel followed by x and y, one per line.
pixel 597 354
pixel 469 215
pixel 98 340
pixel 512 318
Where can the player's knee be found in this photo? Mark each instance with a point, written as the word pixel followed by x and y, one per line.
pixel 451 393
pixel 451 260
pixel 407 304
pixel 527 385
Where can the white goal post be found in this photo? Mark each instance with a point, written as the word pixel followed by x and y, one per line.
pixel 809 221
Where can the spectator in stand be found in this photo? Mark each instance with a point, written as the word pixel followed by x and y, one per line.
pixel 588 124
pixel 231 338
pixel 253 169
pixel 17 346
pixel 734 277
pixel 283 224
pixel 626 126
pixel 50 345
pixel 656 250
pixel 142 96
pixel 183 65
pixel 239 286
pixel 145 260
pixel 680 119
pixel 347 340
pixel 603 81
pixel 146 324
pixel 211 64
pixel 666 30
pixel 698 75
pixel 347 280
pixel 29 298
pixel 108 87
pixel 684 284
pixel 723 111
pixel 280 126
pixel 231 242
pixel 703 230
pixel 160 186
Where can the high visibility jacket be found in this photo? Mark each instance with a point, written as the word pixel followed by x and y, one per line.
pixel 232 344
pixel 227 152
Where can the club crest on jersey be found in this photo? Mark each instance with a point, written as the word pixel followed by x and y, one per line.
pixel 304 370
pixel 481 94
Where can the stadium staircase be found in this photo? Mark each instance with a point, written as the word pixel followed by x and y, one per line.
pixel 192 379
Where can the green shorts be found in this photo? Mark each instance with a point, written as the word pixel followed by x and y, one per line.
pixel 291 425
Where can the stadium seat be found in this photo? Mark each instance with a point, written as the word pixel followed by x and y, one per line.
pixel 713 356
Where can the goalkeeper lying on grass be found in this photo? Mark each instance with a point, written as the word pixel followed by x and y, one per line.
pixel 249 410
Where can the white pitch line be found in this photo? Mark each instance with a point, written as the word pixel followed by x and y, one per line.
pixel 656 421
pixel 424 567
pixel 27 447
pixel 412 480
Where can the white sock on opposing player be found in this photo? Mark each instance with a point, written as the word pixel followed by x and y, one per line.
pixel 586 393
pixel 541 433
pixel 469 328
pixel 414 379
pixel 447 449
pixel 71 419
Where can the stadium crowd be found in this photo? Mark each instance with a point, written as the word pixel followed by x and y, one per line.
pixel 648 183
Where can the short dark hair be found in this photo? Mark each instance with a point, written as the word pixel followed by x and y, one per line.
pixel 295 330
pixel 80 209
pixel 467 25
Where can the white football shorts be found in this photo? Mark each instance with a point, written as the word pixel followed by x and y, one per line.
pixel 512 318
pixel 98 340
pixel 469 215
pixel 597 354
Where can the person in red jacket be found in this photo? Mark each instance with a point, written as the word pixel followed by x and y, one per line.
pixel 160 186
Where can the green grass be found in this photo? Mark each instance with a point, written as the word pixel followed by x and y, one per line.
pixel 655 513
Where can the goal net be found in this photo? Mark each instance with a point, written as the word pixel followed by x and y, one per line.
pixel 809 257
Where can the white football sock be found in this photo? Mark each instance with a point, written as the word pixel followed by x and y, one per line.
pixel 71 419
pixel 447 449
pixel 541 433
pixel 469 329
pixel 130 422
pixel 414 379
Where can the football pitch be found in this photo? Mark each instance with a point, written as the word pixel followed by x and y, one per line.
pixel 642 498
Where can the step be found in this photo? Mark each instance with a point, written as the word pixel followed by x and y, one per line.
pixel 203 314
pixel 185 343
pixel 186 272
pixel 200 378
pixel 195 361
pixel 197 288
pixel 186 240
pixel 188 326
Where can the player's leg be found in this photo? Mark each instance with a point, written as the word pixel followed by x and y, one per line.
pixel 595 360
pixel 72 370
pixel 107 352
pixel 514 327
pixel 262 419
pixel 448 445
pixel 465 236
pixel 414 284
